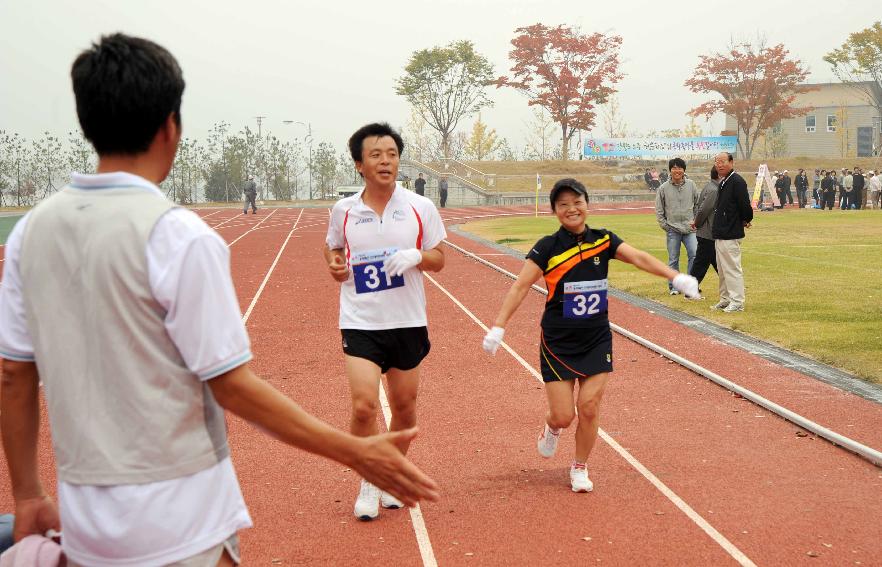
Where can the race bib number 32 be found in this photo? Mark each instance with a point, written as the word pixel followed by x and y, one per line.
pixel 583 300
pixel 367 269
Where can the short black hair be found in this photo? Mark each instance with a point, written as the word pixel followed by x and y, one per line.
pixel 125 89
pixel 378 129
pixel 714 173
pixel 567 184
pixel 677 162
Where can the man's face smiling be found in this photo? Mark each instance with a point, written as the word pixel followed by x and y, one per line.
pixel 571 210
pixel 379 161
pixel 677 174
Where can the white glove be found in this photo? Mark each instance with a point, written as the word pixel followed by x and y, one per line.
pixel 401 261
pixel 493 339
pixel 686 284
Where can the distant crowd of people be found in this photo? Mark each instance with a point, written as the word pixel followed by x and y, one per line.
pixel 848 189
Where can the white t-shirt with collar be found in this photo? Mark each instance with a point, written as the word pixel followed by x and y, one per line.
pixel 161 522
pixel 370 299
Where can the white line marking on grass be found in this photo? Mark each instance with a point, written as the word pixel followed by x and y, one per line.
pixel 416 515
pixel 270 272
pixel 719 538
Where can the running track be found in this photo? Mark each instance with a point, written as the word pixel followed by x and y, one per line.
pixel 690 475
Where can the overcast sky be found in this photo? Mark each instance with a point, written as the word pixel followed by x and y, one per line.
pixel 334 63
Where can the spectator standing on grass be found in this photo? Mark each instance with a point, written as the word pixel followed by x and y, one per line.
pixel 675 205
pixel 706 254
pixel 858 183
pixel 802 183
pixel 732 215
pixel 575 338
pixel 875 185
pixel 129 318
pixel 847 195
pixel 379 243
pixel 816 186
pixel 840 186
pixel 788 184
pixel 420 185
pixel 828 190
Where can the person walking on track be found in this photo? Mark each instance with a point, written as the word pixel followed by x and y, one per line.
pixel 575 342
pixel 122 305
pixel 379 242
pixel 250 192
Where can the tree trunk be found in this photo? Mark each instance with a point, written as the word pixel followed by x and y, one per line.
pixel 445 144
pixel 564 144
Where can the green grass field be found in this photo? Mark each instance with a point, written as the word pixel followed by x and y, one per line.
pixel 6 224
pixel 813 279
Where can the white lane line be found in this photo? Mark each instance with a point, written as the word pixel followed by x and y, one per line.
pixel 211 214
pixel 719 538
pixel 234 217
pixel 270 272
pixel 416 515
pixel 253 228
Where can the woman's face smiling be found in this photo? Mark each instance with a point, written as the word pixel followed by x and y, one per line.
pixel 571 209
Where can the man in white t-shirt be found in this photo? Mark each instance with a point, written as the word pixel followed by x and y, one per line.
pixel 123 306
pixel 379 242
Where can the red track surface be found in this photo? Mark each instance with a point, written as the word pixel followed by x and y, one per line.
pixel 779 498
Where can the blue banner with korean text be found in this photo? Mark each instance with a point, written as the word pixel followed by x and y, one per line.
pixel 658 147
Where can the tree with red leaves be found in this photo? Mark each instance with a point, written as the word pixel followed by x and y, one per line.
pixel 566 72
pixel 758 85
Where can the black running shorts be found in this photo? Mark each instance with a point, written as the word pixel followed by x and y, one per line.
pixel 403 349
pixel 567 354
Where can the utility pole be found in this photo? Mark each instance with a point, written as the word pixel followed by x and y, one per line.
pixel 259 122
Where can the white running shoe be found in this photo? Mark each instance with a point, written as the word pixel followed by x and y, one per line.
pixel 367 505
pixel 579 480
pixel 721 305
pixel 547 443
pixel 390 502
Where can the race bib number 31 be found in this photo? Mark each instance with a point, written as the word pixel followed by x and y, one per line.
pixel 367 269
pixel 583 300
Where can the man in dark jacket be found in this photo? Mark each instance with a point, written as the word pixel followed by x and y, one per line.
pixel 706 256
pixel 859 199
pixel 732 216
pixel 802 183
pixel 788 183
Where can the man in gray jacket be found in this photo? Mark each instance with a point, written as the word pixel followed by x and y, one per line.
pixel 675 205
pixel 706 256
pixel 250 192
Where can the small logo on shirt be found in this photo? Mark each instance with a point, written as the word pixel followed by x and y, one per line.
pixel 364 220
pixel 596 260
pixel 397 215
pixel 608 358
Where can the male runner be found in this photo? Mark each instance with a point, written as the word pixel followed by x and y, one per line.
pixel 379 241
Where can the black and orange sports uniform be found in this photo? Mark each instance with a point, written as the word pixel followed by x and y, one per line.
pixel 576 341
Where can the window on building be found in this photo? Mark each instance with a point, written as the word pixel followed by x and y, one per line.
pixel 810 123
pixel 831 122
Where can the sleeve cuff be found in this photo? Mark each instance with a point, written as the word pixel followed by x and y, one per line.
pixel 17 356
pixel 226 366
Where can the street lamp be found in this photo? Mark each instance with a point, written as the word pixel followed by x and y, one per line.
pixel 307 139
